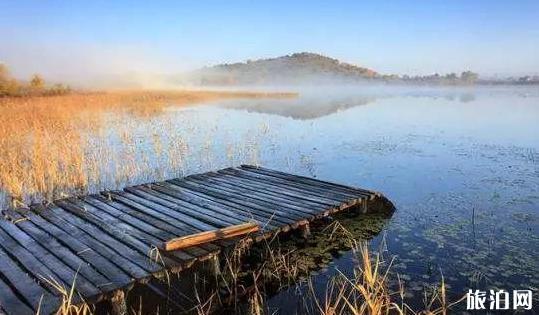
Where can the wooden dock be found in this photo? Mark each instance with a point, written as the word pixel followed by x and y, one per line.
pixel 104 243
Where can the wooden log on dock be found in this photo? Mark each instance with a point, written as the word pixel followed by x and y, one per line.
pixel 210 236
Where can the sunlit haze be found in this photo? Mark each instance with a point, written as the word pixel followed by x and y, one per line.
pixel 78 41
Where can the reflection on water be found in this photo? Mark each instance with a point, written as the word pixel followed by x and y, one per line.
pixel 460 164
pixel 296 108
pixel 314 104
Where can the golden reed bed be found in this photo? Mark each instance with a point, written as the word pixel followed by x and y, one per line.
pixel 42 147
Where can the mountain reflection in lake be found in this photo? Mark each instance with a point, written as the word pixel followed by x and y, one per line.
pixel 461 166
pixel 313 104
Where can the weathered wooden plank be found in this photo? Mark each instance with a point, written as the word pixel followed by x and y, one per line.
pixel 344 202
pixel 244 201
pixel 114 229
pixel 158 230
pixel 27 287
pixel 317 203
pixel 193 224
pixel 295 192
pixel 159 223
pixel 225 180
pixel 134 254
pixel 308 213
pixel 110 249
pixel 10 302
pixel 65 272
pixel 256 197
pixel 30 266
pixel 216 205
pixel 332 185
pixel 133 223
pixel 280 210
pixel 203 214
pixel 72 258
pixel 210 247
pixel 126 219
pixel 200 207
pixel 33 265
pixel 101 264
pixel 163 200
pixel 330 194
pixel 317 182
pixel 135 232
pixel 292 199
pixel 210 236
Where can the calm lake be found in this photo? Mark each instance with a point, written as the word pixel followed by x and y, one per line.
pixel 461 166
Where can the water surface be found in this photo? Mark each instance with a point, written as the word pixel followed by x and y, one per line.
pixel 461 166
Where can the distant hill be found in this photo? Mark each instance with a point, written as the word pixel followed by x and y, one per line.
pixel 298 68
pixel 311 69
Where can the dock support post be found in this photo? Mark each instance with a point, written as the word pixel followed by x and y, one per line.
pixel 118 303
pixel 305 231
pixel 215 266
pixel 362 207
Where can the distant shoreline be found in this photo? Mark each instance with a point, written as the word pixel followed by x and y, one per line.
pixel 180 96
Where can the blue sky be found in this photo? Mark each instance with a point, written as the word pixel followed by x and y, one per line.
pixel 61 38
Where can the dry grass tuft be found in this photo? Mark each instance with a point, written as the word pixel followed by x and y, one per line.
pixel 46 147
pixel 367 291
pixel 68 305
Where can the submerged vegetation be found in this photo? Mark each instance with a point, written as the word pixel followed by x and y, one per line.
pixel 249 276
pixel 367 289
